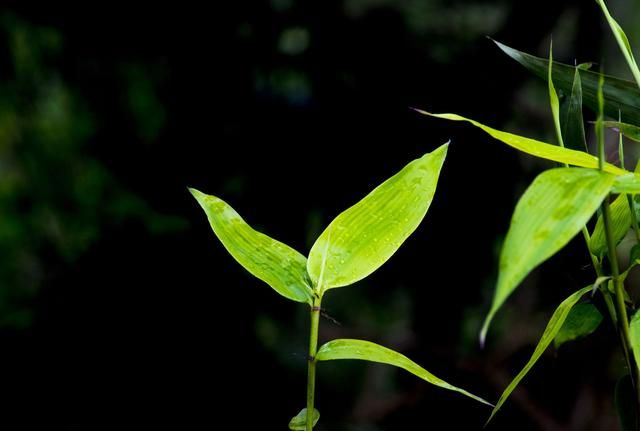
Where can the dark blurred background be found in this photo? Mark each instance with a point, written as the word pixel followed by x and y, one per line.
pixel 119 309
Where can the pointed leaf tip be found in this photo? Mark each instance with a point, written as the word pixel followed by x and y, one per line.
pixel 275 263
pixel 363 237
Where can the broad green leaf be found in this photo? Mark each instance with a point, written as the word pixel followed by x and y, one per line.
pixel 573 122
pixel 626 407
pixel 299 421
pixel 620 224
pixel 550 332
pixel 552 210
pixel 620 95
pixel 629 130
pixel 368 351
pixel 582 320
pixel 273 262
pixel 362 238
pixel 634 334
pixel 634 253
pixel 622 40
pixel 553 99
pixel 536 148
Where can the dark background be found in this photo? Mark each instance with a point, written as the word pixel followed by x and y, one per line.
pixel 119 309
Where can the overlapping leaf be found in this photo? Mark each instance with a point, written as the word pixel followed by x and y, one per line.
pixel 629 130
pixel 552 210
pixel 620 224
pixel 273 262
pixel 620 95
pixel 550 332
pixel 368 351
pixel 363 237
pixel 582 320
pixel 299 421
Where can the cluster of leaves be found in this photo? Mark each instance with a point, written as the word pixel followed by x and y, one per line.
pixel 561 201
pixel 356 243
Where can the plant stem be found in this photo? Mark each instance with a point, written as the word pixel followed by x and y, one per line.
pixel 311 371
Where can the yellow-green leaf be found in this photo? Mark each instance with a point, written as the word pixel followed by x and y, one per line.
pixel 634 334
pixel 629 130
pixel 582 320
pixel 552 210
pixel 627 183
pixel 536 148
pixel 554 325
pixel 620 224
pixel 273 262
pixel 299 421
pixel 363 237
pixel 368 351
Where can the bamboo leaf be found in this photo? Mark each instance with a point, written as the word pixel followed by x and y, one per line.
pixel 536 148
pixel 620 95
pixel 553 327
pixel 634 334
pixel 273 262
pixel 552 210
pixel 582 320
pixel 620 224
pixel 553 99
pixel 573 122
pixel 363 237
pixel 368 351
pixel 623 41
pixel 299 421
pixel 626 183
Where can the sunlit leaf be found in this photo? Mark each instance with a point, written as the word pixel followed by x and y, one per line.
pixel 620 224
pixel 363 237
pixel 620 95
pixel 629 130
pixel 299 421
pixel 582 320
pixel 555 323
pixel 273 262
pixel 368 351
pixel 536 148
pixel 552 210
pixel 623 41
pixel 627 183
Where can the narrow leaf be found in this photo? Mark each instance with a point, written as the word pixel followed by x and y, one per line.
pixel 273 262
pixel 368 351
pixel 627 183
pixel 552 210
pixel 620 95
pixel 582 320
pixel 623 41
pixel 553 99
pixel 573 122
pixel 299 421
pixel 629 130
pixel 550 332
pixel 536 148
pixel 362 238
pixel 620 224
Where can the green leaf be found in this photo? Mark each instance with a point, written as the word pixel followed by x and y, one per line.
pixel 552 210
pixel 627 183
pixel 550 332
pixel 368 351
pixel 299 421
pixel 620 95
pixel 362 238
pixel 634 253
pixel 553 99
pixel 629 130
pixel 273 262
pixel 634 334
pixel 625 401
pixel 620 224
pixel 582 320
pixel 622 40
pixel 573 122
pixel 536 148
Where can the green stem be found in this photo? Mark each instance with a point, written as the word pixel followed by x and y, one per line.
pixel 311 371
